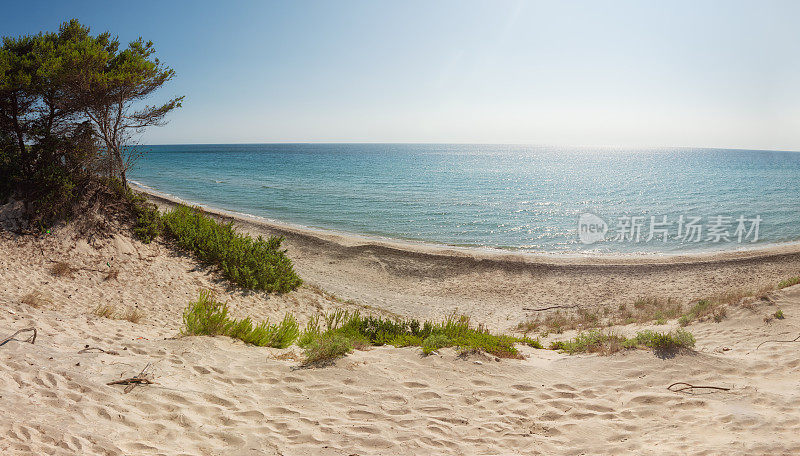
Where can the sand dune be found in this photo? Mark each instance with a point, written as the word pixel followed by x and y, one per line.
pixel 217 396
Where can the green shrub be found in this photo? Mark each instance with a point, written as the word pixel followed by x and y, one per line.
pixel 779 314
pixel 311 332
pixel 607 343
pixel 328 346
pixel 285 332
pixel 257 264
pixel 406 340
pixel 595 341
pixel 453 332
pixel 788 282
pixel 206 316
pixel 664 342
pixel 434 342
pixel 148 224
pixel 702 309
pixel 533 343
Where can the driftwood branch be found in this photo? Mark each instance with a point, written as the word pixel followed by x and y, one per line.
pixel 131 381
pixel 796 339
pixel 689 386
pixel 550 308
pixel 31 339
pixel 140 379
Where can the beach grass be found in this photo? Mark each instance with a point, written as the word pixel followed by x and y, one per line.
pixel 603 342
pixel 663 342
pixel 104 311
pixel 326 347
pixel 323 334
pixel 257 264
pixel 209 317
pixel 62 269
pixel 455 331
pixel 643 310
pixel 35 299
pixel 651 310
pixel 595 341
pixel 130 314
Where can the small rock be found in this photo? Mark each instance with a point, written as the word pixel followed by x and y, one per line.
pixel 478 362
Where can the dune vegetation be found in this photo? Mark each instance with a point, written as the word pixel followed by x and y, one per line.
pixel 257 264
pixel 331 335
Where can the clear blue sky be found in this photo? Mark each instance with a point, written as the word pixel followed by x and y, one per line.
pixel 682 73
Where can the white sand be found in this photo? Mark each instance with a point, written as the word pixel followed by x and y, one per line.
pixel 216 396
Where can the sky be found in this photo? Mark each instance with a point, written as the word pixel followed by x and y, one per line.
pixel 614 73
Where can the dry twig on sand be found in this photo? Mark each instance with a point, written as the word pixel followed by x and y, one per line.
pixel 140 379
pixel 31 339
pixel 796 339
pixel 688 386
pixel 549 308
pixel 89 349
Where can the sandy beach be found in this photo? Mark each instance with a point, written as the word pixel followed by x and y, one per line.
pixel 215 395
pixel 431 282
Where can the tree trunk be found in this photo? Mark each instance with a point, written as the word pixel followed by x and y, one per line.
pixel 121 164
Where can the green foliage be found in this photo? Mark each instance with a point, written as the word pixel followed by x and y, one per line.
pixel 664 342
pixel 327 347
pixel 703 309
pixel 406 340
pixel 337 333
pixel 311 332
pixel 208 317
pixel 779 314
pixel 595 341
pixel 148 224
pixel 257 264
pixel 606 343
pixel 9 167
pixel 788 282
pixel 285 332
pixel 453 332
pixel 60 92
pixel 434 342
pixel 533 343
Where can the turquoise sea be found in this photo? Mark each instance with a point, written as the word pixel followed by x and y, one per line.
pixel 516 197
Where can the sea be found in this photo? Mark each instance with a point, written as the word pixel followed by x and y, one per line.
pixel 552 200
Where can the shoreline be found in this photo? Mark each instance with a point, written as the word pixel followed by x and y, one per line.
pixel 349 240
pixel 497 289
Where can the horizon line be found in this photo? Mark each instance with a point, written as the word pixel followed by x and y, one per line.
pixel 588 146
